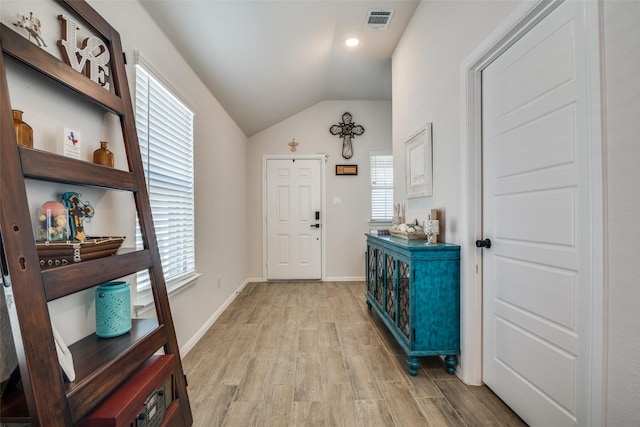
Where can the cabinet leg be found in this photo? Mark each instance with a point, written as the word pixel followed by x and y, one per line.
pixel 413 365
pixel 451 362
pixel 369 305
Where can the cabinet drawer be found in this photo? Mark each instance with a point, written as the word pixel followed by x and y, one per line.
pixel 142 400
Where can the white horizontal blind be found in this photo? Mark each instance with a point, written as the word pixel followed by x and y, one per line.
pixel 165 134
pixel 381 166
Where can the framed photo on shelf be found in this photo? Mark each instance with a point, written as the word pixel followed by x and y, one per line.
pixel 419 163
pixel 71 143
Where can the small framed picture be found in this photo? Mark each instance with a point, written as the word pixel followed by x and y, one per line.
pixel 346 169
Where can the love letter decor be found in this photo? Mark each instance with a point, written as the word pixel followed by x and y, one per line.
pixel 94 51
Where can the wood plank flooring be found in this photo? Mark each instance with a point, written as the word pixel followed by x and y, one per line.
pixel 311 354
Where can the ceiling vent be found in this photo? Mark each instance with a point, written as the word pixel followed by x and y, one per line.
pixel 378 19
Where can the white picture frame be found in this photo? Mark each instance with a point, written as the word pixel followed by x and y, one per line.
pixel 419 163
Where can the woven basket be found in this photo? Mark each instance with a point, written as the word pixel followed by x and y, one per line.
pixel 410 235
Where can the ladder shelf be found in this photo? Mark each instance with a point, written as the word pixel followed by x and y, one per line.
pixel 101 364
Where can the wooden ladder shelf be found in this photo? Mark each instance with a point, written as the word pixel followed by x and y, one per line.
pixel 101 365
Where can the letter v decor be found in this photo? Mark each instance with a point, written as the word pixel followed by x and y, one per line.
pixel 347 131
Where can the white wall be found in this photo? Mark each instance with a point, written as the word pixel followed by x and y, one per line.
pixel 426 88
pixel 220 172
pixel 622 125
pixel 345 224
pixel 220 160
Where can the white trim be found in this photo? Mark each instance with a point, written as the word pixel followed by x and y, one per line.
pixel 595 348
pixel 380 223
pixel 323 202
pixel 144 303
pixel 592 411
pixel 215 316
pixel 527 15
pixel 138 58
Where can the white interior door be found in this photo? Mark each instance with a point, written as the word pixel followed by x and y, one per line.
pixel 534 284
pixel 294 219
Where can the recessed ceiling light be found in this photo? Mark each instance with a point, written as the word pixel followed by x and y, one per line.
pixel 352 42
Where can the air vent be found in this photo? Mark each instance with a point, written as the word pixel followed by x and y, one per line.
pixel 378 19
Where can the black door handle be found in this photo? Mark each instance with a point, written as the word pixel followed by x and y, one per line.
pixel 486 243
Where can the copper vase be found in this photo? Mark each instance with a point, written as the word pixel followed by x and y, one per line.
pixel 102 156
pixel 24 133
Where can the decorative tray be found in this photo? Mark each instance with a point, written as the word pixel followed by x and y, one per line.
pixel 54 254
pixel 410 235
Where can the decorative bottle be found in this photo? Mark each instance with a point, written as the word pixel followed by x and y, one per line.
pixel 102 156
pixel 24 133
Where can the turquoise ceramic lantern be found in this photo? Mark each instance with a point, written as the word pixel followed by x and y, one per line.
pixel 113 309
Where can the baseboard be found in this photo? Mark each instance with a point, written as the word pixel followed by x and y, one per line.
pixel 215 316
pixel 344 279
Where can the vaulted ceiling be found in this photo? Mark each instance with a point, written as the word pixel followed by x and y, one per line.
pixel 266 60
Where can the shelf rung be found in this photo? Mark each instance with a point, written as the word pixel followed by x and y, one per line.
pixel 68 279
pixel 28 53
pixel 42 165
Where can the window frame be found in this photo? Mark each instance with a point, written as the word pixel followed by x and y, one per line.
pixel 389 186
pixel 177 281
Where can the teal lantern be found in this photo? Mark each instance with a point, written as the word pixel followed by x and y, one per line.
pixel 113 309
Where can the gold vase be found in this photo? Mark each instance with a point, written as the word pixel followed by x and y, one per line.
pixel 102 156
pixel 24 133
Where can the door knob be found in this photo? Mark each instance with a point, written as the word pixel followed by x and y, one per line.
pixel 315 225
pixel 486 243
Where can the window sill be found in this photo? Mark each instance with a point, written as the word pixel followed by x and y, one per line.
pixel 379 223
pixel 145 302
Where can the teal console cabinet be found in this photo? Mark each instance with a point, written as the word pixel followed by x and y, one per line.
pixel 415 288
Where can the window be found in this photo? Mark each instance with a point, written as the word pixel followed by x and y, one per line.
pixel 381 166
pixel 165 133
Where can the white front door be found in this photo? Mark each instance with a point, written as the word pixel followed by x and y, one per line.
pixel 535 151
pixel 294 219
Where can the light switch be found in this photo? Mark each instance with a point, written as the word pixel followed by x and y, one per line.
pixel 337 200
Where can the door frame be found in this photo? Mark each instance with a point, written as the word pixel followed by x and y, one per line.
pixel 323 159
pixel 591 400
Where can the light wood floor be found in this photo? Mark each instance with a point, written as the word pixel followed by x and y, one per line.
pixel 311 354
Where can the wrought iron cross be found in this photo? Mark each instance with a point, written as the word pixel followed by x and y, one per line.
pixel 78 212
pixel 347 131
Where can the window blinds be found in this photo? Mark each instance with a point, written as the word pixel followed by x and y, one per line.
pixel 165 134
pixel 381 167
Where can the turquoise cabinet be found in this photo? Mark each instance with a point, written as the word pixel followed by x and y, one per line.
pixel 415 288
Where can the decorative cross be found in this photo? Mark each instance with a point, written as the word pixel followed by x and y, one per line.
pixel 78 212
pixel 347 131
